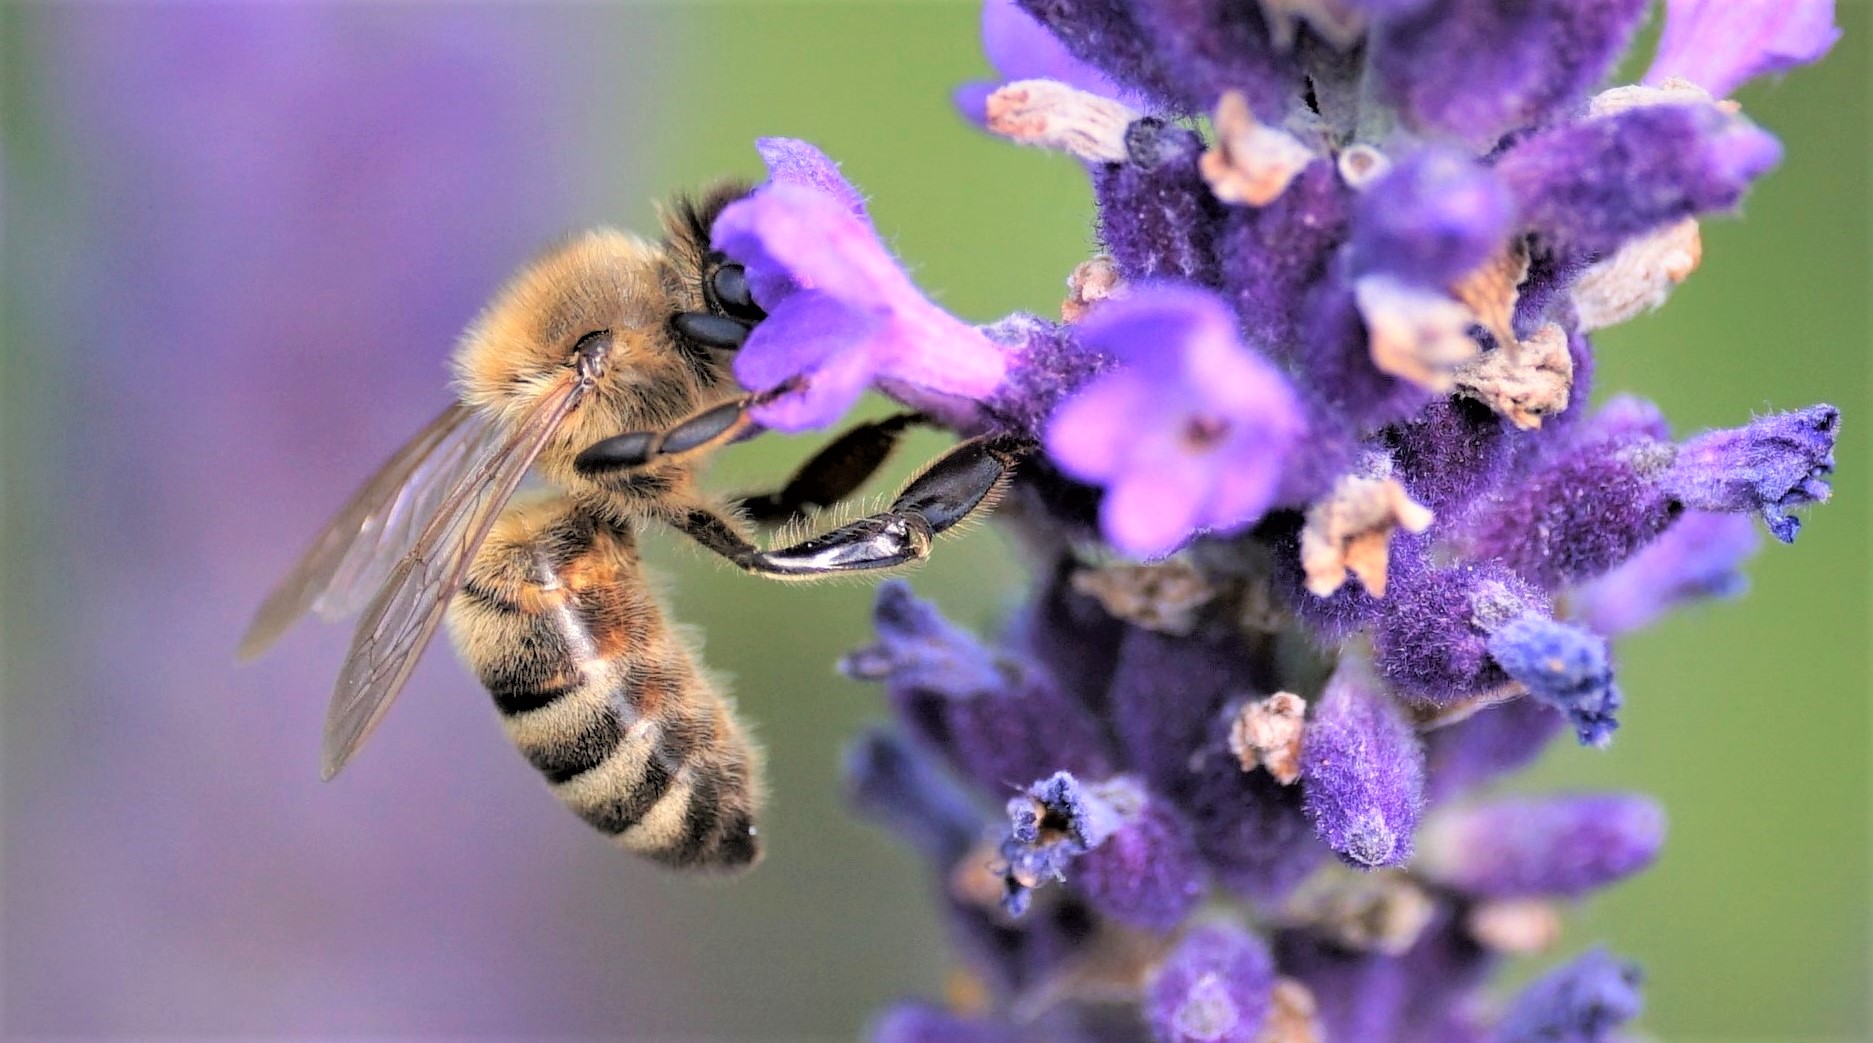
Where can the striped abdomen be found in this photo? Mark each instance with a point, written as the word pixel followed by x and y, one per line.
pixel 601 695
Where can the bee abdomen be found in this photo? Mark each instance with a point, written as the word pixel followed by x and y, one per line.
pixel 604 701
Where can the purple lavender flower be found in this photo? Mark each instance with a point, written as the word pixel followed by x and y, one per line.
pixel 1129 854
pixel 1188 434
pixel 1721 44
pixel 841 313
pixel 1346 333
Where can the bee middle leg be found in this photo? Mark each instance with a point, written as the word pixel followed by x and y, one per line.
pixel 964 480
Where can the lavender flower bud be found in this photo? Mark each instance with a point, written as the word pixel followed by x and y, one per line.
pixel 1431 639
pixel 1487 744
pixel 1700 556
pixel 1130 855
pixel 1451 454
pixel 1565 667
pixel 1587 508
pixel 1591 185
pixel 1721 44
pixel 1167 697
pixel 1250 828
pixel 993 717
pixel 1434 217
pixel 1582 1002
pixel 1213 988
pixel 1774 465
pixel 1362 770
pixel 1547 847
pixel 1157 215
pixel 1478 68
pixel 1212 46
pixel 1272 255
pixel 897 785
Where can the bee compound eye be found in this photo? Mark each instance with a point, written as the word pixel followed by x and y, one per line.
pixel 729 284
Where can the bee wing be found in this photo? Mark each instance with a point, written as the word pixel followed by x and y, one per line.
pixel 349 559
pixel 405 613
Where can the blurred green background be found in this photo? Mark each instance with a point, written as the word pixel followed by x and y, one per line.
pixel 1748 719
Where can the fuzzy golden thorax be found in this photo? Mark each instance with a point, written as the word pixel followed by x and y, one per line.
pixel 520 347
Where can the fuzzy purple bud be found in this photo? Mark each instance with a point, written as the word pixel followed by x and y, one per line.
pixel 1213 988
pixel 1700 556
pixel 1431 640
pixel 1565 667
pixel 1272 255
pixel 1157 215
pixel 1129 854
pixel 1772 466
pixel 1582 1002
pixel 1362 770
pixel 1212 46
pixel 1451 454
pixel 1188 434
pixel 897 785
pixel 994 717
pixel 1721 44
pixel 1544 847
pixel 1590 505
pixel 1434 217
pixel 1475 69
pixel 1249 827
pixel 1488 744
pixel 1591 185
pixel 1046 364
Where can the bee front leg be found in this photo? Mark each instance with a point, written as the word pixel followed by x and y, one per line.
pixel 695 435
pixel 833 473
pixel 967 479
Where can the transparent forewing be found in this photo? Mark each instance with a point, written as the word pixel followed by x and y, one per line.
pixel 350 557
pixel 404 615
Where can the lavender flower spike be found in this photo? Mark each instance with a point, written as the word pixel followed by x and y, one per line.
pixel 1215 987
pixel 1131 856
pixel 1582 1002
pixel 1721 44
pixel 1543 847
pixel 1565 667
pixel 1188 434
pixel 841 313
pixel 1772 466
pixel 1362 770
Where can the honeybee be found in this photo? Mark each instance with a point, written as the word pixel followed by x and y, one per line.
pixel 603 368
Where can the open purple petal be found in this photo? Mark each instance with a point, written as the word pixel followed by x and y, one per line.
pixel 1721 44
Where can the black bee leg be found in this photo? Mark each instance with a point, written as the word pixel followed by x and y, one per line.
pixel 712 330
pixel 697 433
pixel 834 472
pixel 966 479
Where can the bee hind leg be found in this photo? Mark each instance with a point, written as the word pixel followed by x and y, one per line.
pixel 967 479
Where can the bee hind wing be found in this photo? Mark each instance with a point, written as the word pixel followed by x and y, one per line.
pixel 351 556
pixel 404 615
